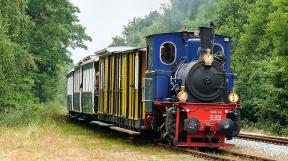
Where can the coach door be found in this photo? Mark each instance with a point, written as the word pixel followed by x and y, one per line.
pixel 143 64
pixel 70 91
pixel 88 88
pixel 104 88
pixel 133 84
pixel 97 86
pixel 77 89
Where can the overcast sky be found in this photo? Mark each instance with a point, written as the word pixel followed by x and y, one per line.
pixel 104 19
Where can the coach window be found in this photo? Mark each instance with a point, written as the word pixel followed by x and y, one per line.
pixel 84 80
pixel 147 56
pixel 136 72
pixel 168 53
pixel 102 76
pixel 97 81
pixel 91 80
pixel 120 72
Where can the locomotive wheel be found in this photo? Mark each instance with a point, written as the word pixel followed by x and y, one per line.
pixel 171 141
pixel 167 139
pixel 168 128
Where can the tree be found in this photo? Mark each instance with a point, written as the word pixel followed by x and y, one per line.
pixel 34 37
pixel 177 15
pixel 16 99
pixel 118 41
pixel 261 78
pixel 277 29
pixel 55 29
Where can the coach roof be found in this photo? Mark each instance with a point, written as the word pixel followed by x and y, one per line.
pixel 117 49
pixel 88 59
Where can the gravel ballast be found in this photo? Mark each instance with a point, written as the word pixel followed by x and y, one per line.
pixel 271 149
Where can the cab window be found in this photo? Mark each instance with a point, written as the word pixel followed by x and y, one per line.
pixel 167 53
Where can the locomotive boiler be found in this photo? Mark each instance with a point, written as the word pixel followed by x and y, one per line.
pixel 179 89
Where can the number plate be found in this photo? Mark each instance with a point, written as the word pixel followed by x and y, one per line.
pixel 215 117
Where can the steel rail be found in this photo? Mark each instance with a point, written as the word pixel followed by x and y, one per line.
pixel 242 155
pixel 214 156
pixel 263 138
pixel 196 153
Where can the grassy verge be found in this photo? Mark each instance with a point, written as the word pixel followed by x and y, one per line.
pixel 54 137
pixel 265 128
pixel 51 136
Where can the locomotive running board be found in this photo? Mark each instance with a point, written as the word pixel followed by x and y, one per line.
pixel 72 116
pixel 101 123
pixel 80 119
pixel 130 132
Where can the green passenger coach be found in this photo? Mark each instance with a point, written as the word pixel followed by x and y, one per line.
pixel 81 86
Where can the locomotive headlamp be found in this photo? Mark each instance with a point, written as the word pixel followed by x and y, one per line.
pixel 208 58
pixel 233 97
pixel 182 95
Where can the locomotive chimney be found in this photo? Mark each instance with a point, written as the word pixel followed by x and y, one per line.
pixel 206 36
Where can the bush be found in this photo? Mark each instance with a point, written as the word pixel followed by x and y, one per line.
pixel 270 128
pixel 21 115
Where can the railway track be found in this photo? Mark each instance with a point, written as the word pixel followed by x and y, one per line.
pixel 264 138
pixel 223 155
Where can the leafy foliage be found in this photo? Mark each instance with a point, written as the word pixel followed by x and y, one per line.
pixel 53 32
pixel 177 16
pixel 259 58
pixel 34 37
pixel 118 41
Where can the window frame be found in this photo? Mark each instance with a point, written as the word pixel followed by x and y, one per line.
pixel 222 47
pixel 174 56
